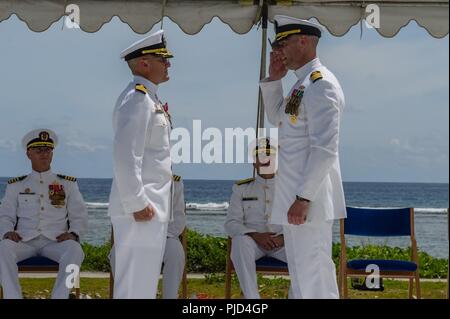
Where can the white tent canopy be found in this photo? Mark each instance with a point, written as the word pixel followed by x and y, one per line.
pixel 338 16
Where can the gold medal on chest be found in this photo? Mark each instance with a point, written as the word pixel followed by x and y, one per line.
pixel 293 119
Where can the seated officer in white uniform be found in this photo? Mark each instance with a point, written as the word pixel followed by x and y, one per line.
pixel 247 222
pixel 42 214
pixel 174 258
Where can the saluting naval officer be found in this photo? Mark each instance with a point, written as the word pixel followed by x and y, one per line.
pixel 42 214
pixel 248 221
pixel 308 189
pixel 174 258
pixel 141 195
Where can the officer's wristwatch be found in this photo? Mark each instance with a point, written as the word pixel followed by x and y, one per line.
pixel 301 199
pixel 77 238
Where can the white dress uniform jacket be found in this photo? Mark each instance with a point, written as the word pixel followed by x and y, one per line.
pixel 251 207
pixel 141 158
pixel 27 207
pixel 308 147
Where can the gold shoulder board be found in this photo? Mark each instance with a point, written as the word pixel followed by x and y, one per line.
pixel 245 181
pixel 17 179
pixel 67 178
pixel 315 76
pixel 141 88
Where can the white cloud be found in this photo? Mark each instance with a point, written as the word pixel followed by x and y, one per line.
pixel 8 145
pixel 401 69
pixel 85 147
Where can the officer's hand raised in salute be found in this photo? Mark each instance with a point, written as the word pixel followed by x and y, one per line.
pixel 277 69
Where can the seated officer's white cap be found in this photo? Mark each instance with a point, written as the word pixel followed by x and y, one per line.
pixel 154 44
pixel 264 147
pixel 286 26
pixel 40 138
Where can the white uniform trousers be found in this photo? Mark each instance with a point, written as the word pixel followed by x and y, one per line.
pixel 309 254
pixel 138 253
pixel 244 253
pixel 173 268
pixel 65 253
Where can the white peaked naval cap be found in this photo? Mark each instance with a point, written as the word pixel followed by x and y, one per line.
pixel 154 44
pixel 286 26
pixel 40 138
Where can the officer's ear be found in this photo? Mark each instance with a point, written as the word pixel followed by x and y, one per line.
pixel 302 40
pixel 144 63
pixel 28 154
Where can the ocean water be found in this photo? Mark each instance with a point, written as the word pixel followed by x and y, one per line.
pixel 207 202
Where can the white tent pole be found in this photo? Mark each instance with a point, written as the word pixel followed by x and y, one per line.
pixel 262 72
pixel 164 3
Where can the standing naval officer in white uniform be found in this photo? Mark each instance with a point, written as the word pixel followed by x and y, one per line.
pixel 248 221
pixel 42 214
pixel 174 259
pixel 308 189
pixel 140 199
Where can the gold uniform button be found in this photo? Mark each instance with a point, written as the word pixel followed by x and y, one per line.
pixel 267 201
pixel 42 196
pixel 42 182
pixel 42 208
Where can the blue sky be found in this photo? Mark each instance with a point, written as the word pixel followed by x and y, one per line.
pixel 394 128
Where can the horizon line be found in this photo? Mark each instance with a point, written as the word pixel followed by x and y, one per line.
pixel 220 179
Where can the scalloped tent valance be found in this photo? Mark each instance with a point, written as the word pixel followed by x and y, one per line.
pixel 338 16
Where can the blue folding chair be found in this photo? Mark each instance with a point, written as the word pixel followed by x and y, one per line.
pixel 265 265
pixel 379 223
pixel 39 264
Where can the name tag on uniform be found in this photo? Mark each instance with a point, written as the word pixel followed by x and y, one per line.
pixel 249 198
pixel 27 191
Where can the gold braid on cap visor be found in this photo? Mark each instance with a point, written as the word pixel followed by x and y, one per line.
pixel 267 151
pixel 40 144
pixel 162 51
pixel 285 34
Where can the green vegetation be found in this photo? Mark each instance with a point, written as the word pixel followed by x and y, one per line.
pixel 213 287
pixel 207 254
